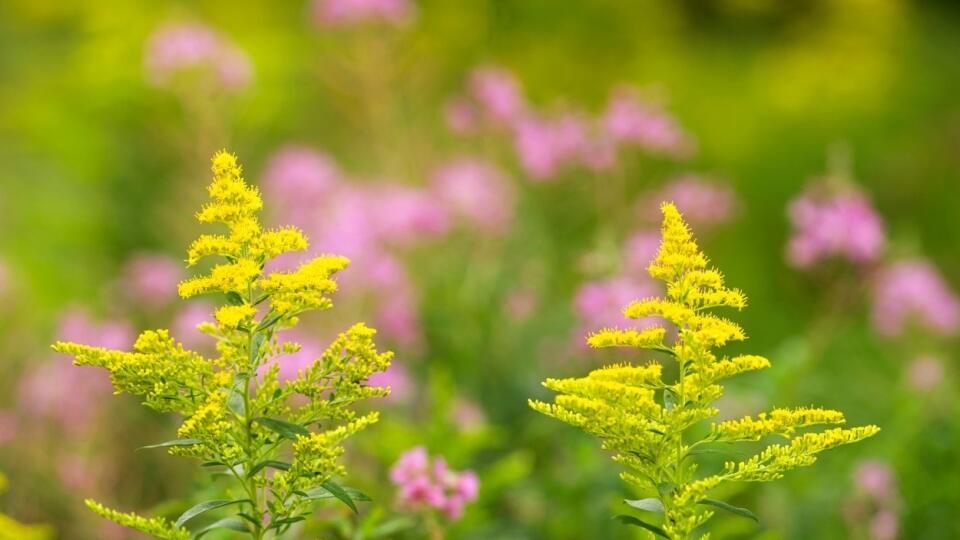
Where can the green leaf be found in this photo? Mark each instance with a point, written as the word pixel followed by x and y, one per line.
pixel 743 512
pixel 282 465
pixel 232 523
pixel 255 345
pixel 283 522
pixel 666 487
pixel 341 494
pixel 206 507
pixel 331 490
pixel 235 403
pixel 630 520
pixel 268 322
pixel 282 427
pixel 168 444
pixel 650 504
pixel 234 298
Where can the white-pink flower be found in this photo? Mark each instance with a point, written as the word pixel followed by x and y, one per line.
pixel 477 191
pixel 830 223
pixel 913 291
pixel 193 49
pixel 341 13
pixel 424 484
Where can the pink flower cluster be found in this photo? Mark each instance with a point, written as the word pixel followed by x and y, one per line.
pixel 913 291
pixel 372 222
pixel 703 202
pixel 341 13
pixel 432 485
pixel 193 49
pixel 151 279
pixel 547 143
pixel 832 223
pixel 70 396
pixel 875 502
pixel 599 304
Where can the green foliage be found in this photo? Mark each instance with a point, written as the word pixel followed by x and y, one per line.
pixel 649 422
pixel 238 416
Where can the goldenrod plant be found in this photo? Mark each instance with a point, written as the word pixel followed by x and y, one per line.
pixel 655 426
pixel 278 441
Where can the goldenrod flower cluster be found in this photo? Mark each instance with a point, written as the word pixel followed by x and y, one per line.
pixel 647 420
pixel 237 415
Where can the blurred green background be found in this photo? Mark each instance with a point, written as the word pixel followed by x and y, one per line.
pixel 97 165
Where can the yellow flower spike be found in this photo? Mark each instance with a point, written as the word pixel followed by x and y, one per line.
pixel 231 317
pixel 648 423
pixel 236 412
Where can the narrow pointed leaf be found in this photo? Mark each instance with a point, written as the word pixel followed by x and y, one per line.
pixel 206 507
pixel 231 523
pixel 743 512
pixel 630 520
pixel 320 493
pixel 283 428
pixel 282 465
pixel 650 504
pixel 341 494
pixel 169 444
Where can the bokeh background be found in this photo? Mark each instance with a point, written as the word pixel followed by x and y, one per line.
pixel 493 169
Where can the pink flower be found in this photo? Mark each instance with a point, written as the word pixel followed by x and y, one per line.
pixel 397 378
pixel 184 326
pixel 291 364
pixel 521 303
pixel 151 279
pixel 628 120
pixel 468 416
pixel 412 464
pixel 875 479
pixel 641 248
pixel 925 373
pixel 424 485
pixel 406 215
pixel 884 526
pixel 299 179
pixel 462 116
pixel 547 145
pixel 178 50
pixel 701 202
pixel 828 224
pixel 498 95
pixel 477 191
pixel 339 13
pixel 69 395
pixel 599 304
pixel 914 291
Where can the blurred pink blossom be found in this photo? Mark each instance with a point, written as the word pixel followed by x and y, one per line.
pixel 702 202
pixel 884 525
pixel 468 415
pixel 498 95
pixel 834 224
pixel 423 485
pixel 185 322
pixel 545 145
pixel 874 478
pixel 69 395
pixel 628 120
pixel 397 378
pixel 477 191
pixel 151 279
pixel 298 179
pixel 599 304
pixel 913 291
pixel 925 373
pixel 291 364
pixel 339 13
pixel 176 49
pixel 9 426
pixel 404 215
pixel 641 248
pixel 462 116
